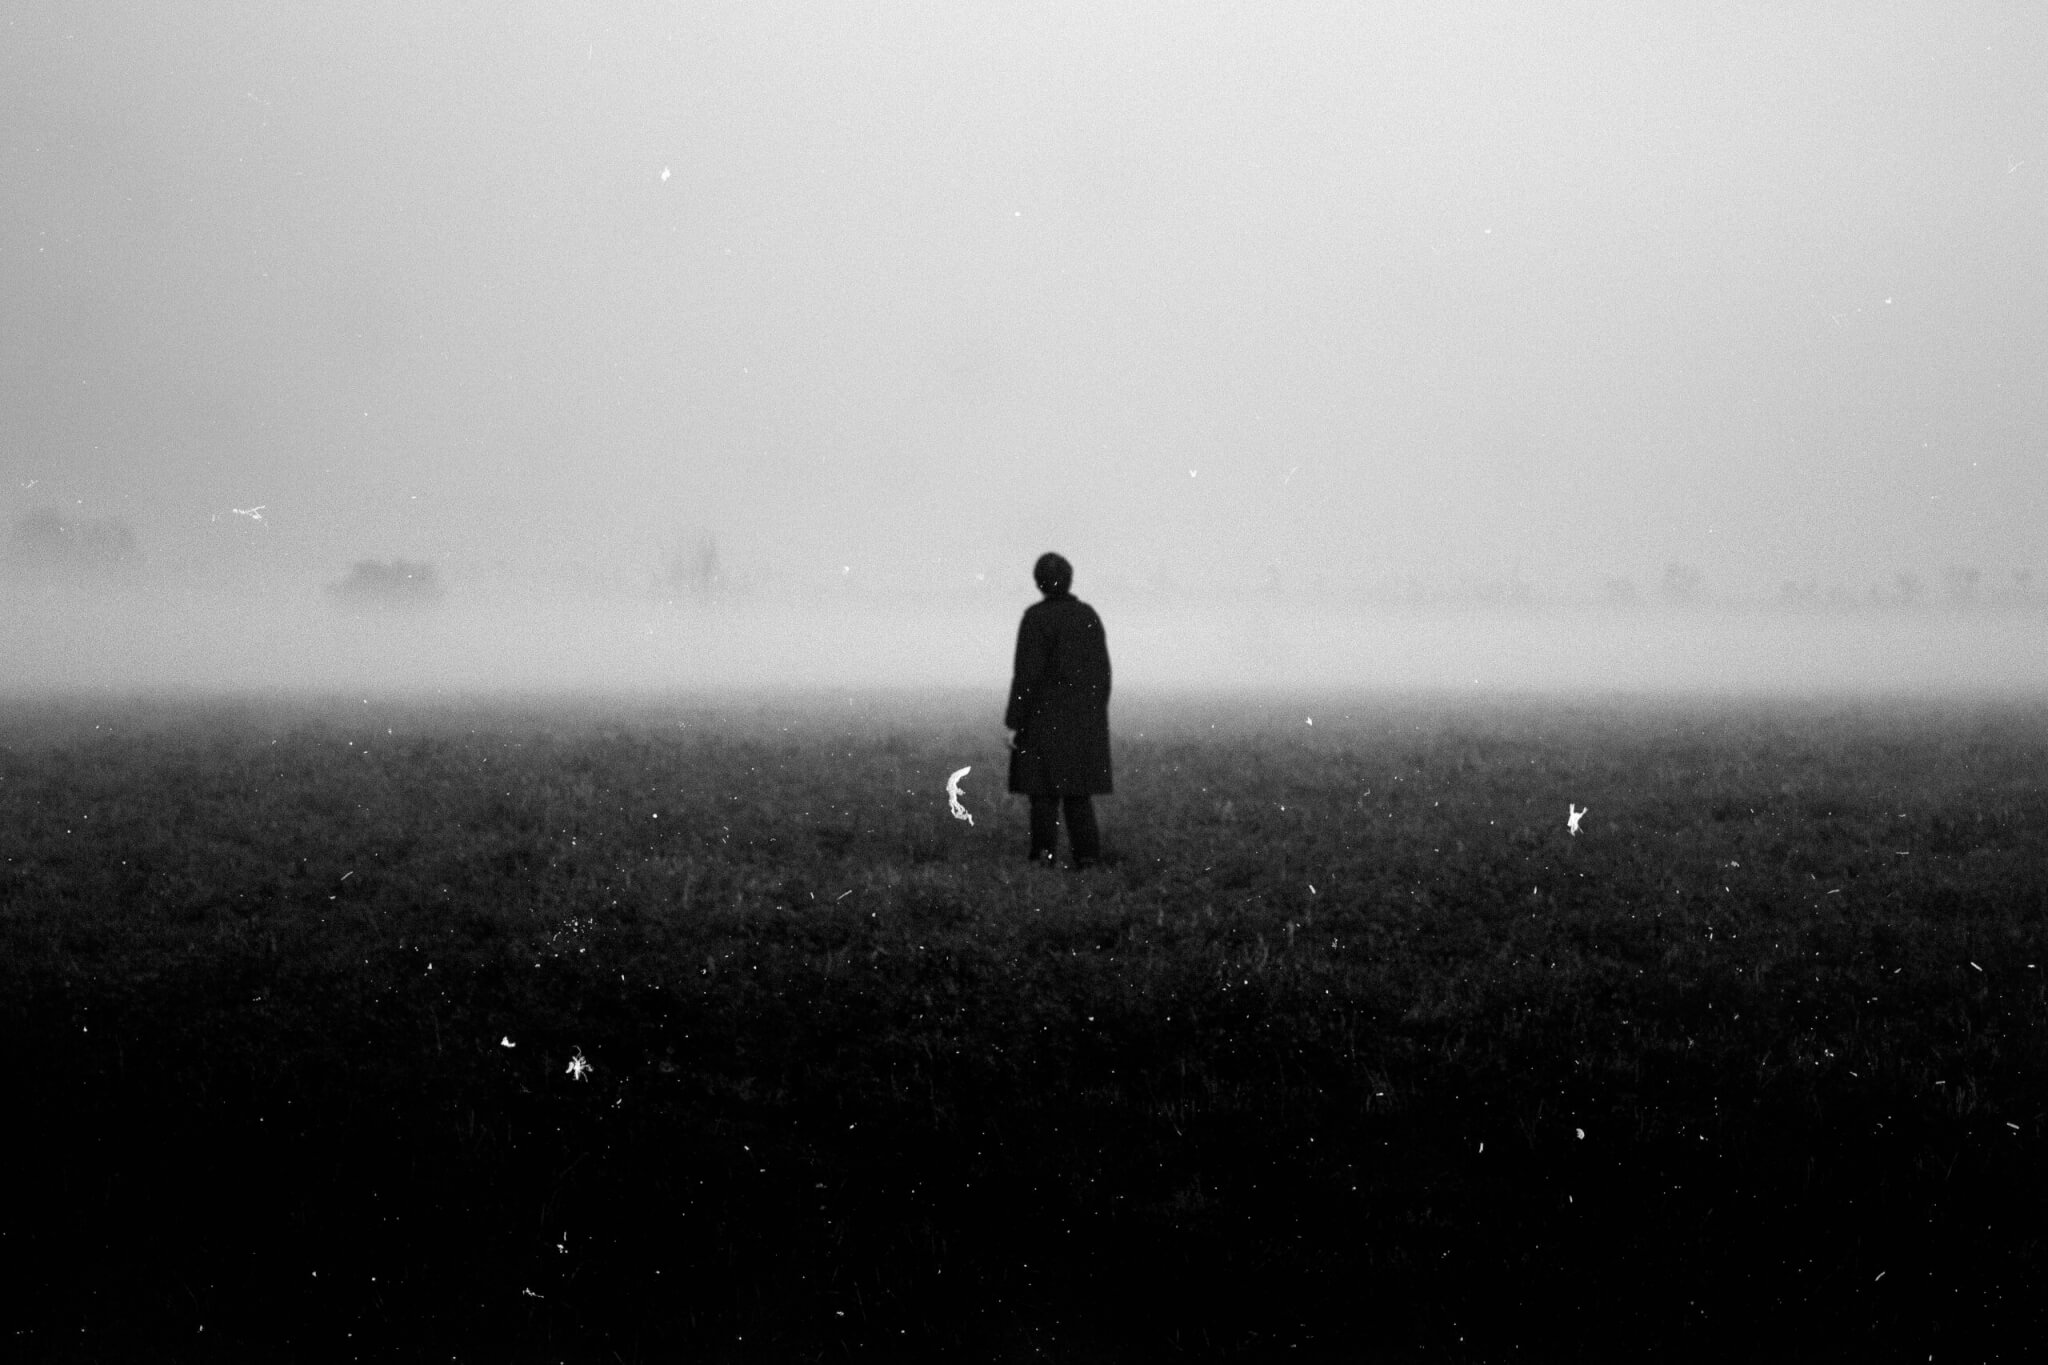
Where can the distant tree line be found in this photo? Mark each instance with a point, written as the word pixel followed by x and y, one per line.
pixel 44 545
pixel 397 583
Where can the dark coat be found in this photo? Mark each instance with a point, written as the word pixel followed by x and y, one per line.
pixel 1059 701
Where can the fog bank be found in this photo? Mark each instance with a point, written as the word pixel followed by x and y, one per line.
pixel 158 638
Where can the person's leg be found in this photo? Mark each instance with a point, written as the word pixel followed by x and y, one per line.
pixel 1082 835
pixel 1045 828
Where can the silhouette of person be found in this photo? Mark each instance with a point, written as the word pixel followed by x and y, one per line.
pixel 1059 707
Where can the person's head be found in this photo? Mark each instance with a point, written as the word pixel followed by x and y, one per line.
pixel 1053 574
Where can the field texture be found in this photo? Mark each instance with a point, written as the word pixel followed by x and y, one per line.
pixel 702 1031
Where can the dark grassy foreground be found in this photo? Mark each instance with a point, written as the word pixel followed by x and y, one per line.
pixel 1353 1053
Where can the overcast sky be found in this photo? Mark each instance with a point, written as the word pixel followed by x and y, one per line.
pixel 920 290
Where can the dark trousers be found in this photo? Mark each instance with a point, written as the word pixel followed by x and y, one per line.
pixel 1082 834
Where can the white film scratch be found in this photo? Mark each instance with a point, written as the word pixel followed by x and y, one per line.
pixel 953 795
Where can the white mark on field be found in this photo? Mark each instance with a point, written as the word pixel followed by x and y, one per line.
pixel 1572 817
pixel 252 513
pixel 953 795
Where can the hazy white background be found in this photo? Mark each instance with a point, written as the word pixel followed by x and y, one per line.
pixel 1265 315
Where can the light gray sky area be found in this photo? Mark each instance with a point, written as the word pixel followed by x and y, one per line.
pixel 1299 303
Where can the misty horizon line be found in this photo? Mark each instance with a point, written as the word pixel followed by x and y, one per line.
pixel 48 547
pixel 378 585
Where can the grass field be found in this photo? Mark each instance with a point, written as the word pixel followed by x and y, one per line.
pixel 1351 1051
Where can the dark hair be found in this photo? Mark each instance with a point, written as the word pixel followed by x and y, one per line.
pixel 1053 574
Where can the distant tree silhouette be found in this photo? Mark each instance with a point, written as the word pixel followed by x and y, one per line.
pixel 1906 588
pixel 400 583
pixel 1618 591
pixel 693 569
pixel 1961 584
pixel 44 545
pixel 1793 594
pixel 1682 582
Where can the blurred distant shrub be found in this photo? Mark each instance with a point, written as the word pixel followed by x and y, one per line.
pixel 44 545
pixel 1618 591
pixel 401 583
pixel 692 569
pixel 1961 584
pixel 1682 583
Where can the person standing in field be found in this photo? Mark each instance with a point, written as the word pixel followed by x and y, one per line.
pixel 1059 707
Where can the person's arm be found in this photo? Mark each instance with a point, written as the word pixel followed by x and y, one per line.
pixel 1102 641
pixel 1026 675
pixel 1090 657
